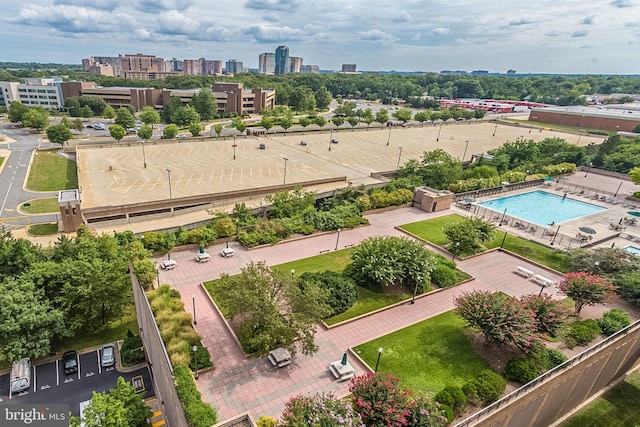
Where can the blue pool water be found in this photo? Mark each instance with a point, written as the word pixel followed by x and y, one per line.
pixel 542 208
pixel 633 250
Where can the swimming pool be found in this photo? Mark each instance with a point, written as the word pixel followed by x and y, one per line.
pixel 542 208
pixel 632 249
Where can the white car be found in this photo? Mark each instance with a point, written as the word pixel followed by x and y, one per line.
pixel 168 264
pixel 203 257
pixel 227 252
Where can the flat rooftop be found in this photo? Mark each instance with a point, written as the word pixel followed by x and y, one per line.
pixel 612 111
pixel 115 175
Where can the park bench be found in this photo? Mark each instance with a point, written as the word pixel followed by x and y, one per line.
pixel 524 272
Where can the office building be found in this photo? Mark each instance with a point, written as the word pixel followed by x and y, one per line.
pixel 234 66
pixel 296 63
pixel 283 61
pixel 313 69
pixel 348 68
pixel 267 63
pixel 34 92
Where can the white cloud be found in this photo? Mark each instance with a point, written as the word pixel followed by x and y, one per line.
pixel 440 31
pixel 375 35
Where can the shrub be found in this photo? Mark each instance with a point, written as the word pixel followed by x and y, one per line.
pixel 550 314
pixel 549 358
pixel 198 413
pixel 582 332
pixel 453 397
pixel 613 321
pixel 488 386
pixel 319 410
pixel 342 290
pixel 443 276
pixel 521 369
pixel 131 352
pixel 265 421
pixel 380 400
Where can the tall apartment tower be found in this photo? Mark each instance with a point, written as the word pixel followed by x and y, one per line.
pixel 267 63
pixel 283 62
pixel 296 63
pixel 217 67
pixel 234 66
pixel 348 68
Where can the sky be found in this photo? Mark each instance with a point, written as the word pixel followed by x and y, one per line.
pixel 533 36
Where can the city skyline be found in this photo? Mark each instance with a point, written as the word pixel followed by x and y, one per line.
pixel 554 37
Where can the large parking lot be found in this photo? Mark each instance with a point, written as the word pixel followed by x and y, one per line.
pixel 50 385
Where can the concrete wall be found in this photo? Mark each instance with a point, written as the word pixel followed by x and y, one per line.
pixel 557 392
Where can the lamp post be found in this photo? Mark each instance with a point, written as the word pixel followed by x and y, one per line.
pixel 415 289
pixel 503 239
pixel 293 272
pixel 234 147
pixel 170 193
pixel 618 189
pixel 195 359
pixel 193 302
pixel 465 150
pixel 330 138
pixel 579 136
pixel 453 255
pixel 144 157
pixel 389 137
pixel 399 155
pixel 337 239
pixel 158 276
pixel 554 236
pixel 440 130
pixel 588 167
pixel 380 350
pixel 284 180
pixel 495 129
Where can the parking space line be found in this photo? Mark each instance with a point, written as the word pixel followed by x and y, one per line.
pixel 99 364
pixel 57 374
pixel 35 379
pixel 78 360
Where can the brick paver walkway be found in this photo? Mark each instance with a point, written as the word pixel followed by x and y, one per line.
pixel 239 384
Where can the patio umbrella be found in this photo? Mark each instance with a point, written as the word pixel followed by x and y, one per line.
pixel 588 230
pixel 344 359
pixel 634 213
pixel 549 178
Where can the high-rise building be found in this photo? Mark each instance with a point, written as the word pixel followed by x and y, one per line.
pixel 267 63
pixel 217 67
pixel 234 66
pixel 283 63
pixel 296 63
pixel 348 68
pixel 313 69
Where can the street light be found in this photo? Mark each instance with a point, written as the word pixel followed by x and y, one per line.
pixel 580 136
pixel 389 137
pixel 170 194
pixel 337 239
pixel 380 350
pixel 330 138
pixel 440 130
pixel 293 272
pixel 193 302
pixel 465 150
pixel 234 147
pixel 144 157
pixel 195 358
pixel 588 167
pixel 415 289
pixel 495 129
pixel 399 155
pixel 284 180
pixel 554 236
pixel 158 276
pixel 453 255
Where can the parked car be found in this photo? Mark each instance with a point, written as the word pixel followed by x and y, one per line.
pixel 70 361
pixel 168 264
pixel 181 135
pixel 131 130
pixel 227 252
pixel 203 257
pixel 99 126
pixel 20 375
pixel 108 357
pixel 90 126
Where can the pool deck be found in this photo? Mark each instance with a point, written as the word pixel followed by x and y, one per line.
pixel 568 231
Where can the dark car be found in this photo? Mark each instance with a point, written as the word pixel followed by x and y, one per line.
pixel 70 361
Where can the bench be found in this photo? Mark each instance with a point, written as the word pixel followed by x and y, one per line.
pixel 342 372
pixel 524 272
pixel 282 364
pixel 541 280
pixel 280 357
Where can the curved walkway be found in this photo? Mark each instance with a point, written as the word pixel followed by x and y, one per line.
pixel 240 385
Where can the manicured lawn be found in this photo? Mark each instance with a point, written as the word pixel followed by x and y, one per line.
pixel 333 261
pixel 50 172
pixel 431 230
pixel 367 301
pixel 43 229
pixel 427 356
pixel 38 206
pixel 619 407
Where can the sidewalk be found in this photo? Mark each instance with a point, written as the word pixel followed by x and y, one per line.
pixel 240 385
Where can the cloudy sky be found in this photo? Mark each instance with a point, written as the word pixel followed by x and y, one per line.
pixel 533 36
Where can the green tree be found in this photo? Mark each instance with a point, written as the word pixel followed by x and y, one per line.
pixel 423 116
pixel 304 122
pixel 170 108
pixel 195 128
pixel 338 121
pixel 184 116
pixel 501 318
pixel 66 122
pixel 17 110
pixel 28 320
pixel 404 115
pixel 145 132
pixel 382 116
pixel 72 104
pixel 170 131
pixel 78 125
pixel 86 112
pixel 271 310
pixel 635 174
pixel 36 118
pixel 241 125
pixel 205 104
pixel 217 129
pixel 124 118
pixel 59 134
pixel 286 204
pixel 109 112
pixel 118 407
pixel 469 235
pixel 586 289
pixel 267 123
pixel 149 116
pixel 323 98
pixel 438 169
pixel 117 132
pixel 353 121
pixel 320 121
pixel 286 123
